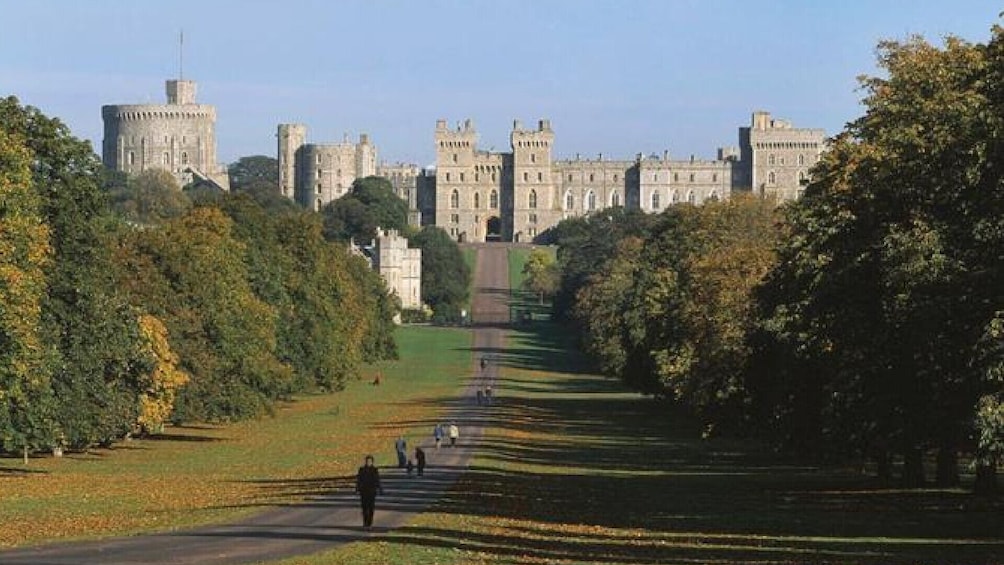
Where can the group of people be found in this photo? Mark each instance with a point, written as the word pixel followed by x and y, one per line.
pixel 403 462
pixel 441 431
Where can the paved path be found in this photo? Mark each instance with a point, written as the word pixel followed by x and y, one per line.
pixel 323 522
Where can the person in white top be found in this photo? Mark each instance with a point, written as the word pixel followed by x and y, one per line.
pixel 454 434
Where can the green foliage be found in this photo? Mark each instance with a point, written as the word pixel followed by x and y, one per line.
pixel 890 268
pixel 96 346
pixel 370 205
pixel 255 172
pixel 25 394
pixel 445 275
pixel 542 275
pixel 150 197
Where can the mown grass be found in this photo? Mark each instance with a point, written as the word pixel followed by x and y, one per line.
pixel 575 470
pixel 201 474
pixel 524 303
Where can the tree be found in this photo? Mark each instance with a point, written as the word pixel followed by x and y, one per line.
pixel 371 204
pixel 25 394
pixel 890 268
pixel 92 331
pixel 446 277
pixel 542 275
pixel 150 197
pixel 162 383
pixel 254 172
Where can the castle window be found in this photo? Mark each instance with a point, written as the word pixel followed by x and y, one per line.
pixel 569 178
pixel 455 199
pixel 455 218
pixel 461 177
pixel 655 177
pixel 540 177
pixel 674 197
pixel 494 199
pixel 533 199
pixel 477 200
pixel 184 157
pixel 676 177
pixel 493 177
pixel 477 177
pixel 691 197
pixel 801 177
pixel 454 157
pixel 317 205
pixel 655 200
pixel 132 158
pixel 591 200
pixel 569 201
pixel 318 188
pixel 615 177
pixel 615 199
pixel 591 178
pixel 714 177
pixel 526 177
pixel 533 158
pixel 167 158
pixel 771 160
pixel 781 160
pixel 771 178
pixel 532 218
pixel 691 177
pixel 447 177
pixel 801 160
pixel 320 172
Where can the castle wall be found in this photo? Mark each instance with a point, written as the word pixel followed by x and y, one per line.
pixel 400 266
pixel 178 137
pixel 321 172
pixel 777 156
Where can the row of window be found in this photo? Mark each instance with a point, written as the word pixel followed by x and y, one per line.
pixel 477 177
pixel 493 201
pixel 167 140
pixel 788 145
pixel 772 177
pixel 774 160
pixel 165 158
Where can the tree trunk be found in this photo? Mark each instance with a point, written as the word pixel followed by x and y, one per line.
pixel 913 468
pixel 948 467
pixel 986 478
pixel 24 451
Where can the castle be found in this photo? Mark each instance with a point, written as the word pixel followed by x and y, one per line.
pixel 517 195
pixel 179 137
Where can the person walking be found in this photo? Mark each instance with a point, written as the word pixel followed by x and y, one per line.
pixel 437 434
pixel 454 434
pixel 367 486
pixel 401 446
pixel 488 394
pixel 420 460
pixel 481 397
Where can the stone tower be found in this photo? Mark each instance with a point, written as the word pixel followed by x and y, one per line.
pixel 534 198
pixel 179 137
pixel 291 138
pixel 455 151
pixel 776 156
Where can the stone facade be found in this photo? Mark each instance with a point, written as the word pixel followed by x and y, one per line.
pixel 400 266
pixel 179 136
pixel 315 174
pixel 776 156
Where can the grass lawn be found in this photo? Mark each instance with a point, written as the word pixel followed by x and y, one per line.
pixel 574 470
pixel 200 474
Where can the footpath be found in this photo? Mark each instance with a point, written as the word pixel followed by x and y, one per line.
pixel 324 522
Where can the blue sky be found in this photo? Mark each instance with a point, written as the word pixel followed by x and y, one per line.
pixel 614 77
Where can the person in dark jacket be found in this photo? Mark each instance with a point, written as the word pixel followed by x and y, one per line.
pixel 368 485
pixel 420 460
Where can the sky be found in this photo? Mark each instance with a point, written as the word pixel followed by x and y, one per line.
pixel 614 77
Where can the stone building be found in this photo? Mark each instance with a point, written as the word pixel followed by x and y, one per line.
pixel 314 174
pixel 400 266
pixel 776 156
pixel 179 137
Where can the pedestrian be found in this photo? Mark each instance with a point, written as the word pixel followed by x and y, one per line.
pixel 437 434
pixel 402 451
pixel 367 486
pixel 420 460
pixel 481 397
pixel 410 467
pixel 454 434
pixel 484 363
pixel 488 394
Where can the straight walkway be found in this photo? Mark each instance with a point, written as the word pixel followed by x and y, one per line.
pixel 324 522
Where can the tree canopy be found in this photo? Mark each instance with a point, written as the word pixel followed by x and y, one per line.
pixel 371 204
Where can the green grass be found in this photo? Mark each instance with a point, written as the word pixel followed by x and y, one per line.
pixel 471 259
pixel 576 470
pixel 201 474
pixel 522 301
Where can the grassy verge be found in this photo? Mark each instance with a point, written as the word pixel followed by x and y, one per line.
pixel 524 303
pixel 574 470
pixel 471 258
pixel 200 474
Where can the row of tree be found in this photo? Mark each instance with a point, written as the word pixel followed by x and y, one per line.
pixel 866 318
pixel 125 303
